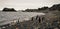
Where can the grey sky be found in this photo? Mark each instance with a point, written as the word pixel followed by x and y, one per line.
pixel 23 4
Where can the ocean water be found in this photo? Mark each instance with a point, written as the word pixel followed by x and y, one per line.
pixel 8 17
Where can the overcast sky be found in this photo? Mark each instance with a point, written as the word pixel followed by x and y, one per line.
pixel 23 4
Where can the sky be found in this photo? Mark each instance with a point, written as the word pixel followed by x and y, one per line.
pixel 24 4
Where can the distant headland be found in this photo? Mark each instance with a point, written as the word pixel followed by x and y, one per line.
pixel 45 8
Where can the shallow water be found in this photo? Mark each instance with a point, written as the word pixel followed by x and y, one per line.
pixel 8 17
